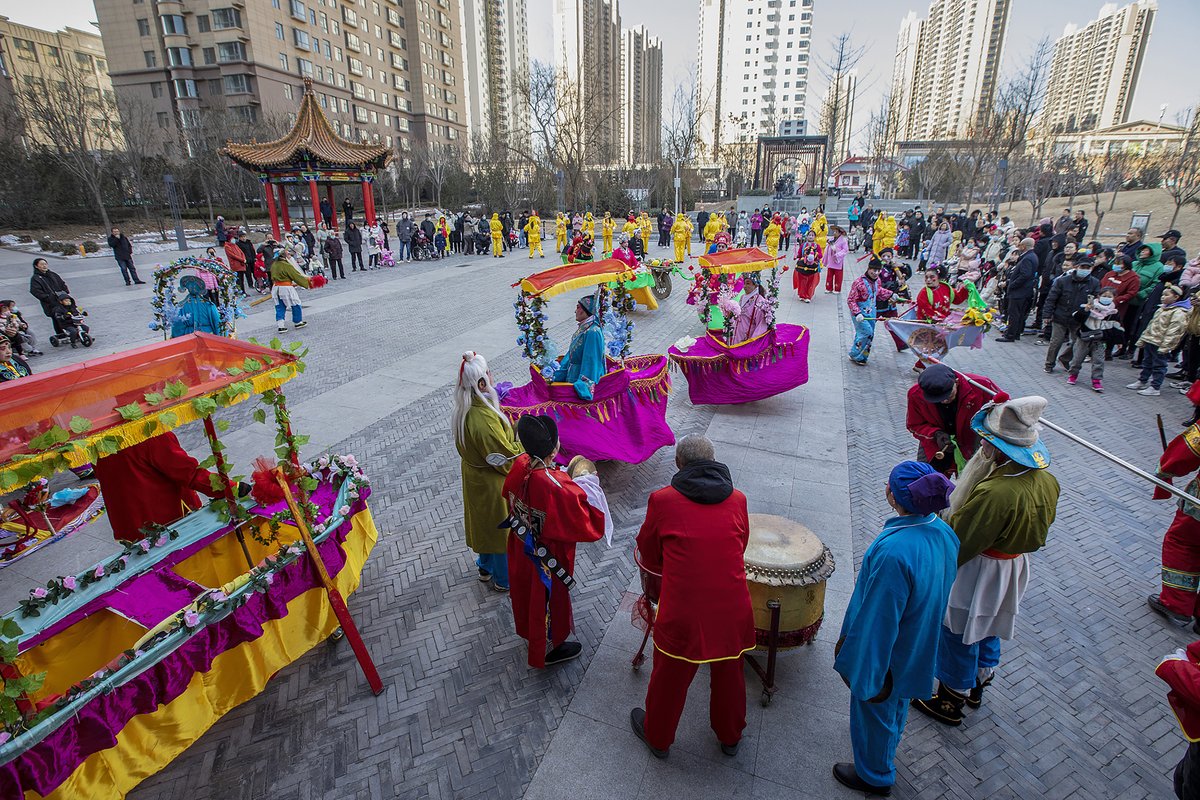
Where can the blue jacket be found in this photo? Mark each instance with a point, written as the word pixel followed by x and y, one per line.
pixel 894 619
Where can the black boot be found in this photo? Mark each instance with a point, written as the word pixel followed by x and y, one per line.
pixel 975 698
pixel 946 706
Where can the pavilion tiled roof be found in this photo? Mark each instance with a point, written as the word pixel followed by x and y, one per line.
pixel 311 138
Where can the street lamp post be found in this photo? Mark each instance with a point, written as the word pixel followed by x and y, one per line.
pixel 678 162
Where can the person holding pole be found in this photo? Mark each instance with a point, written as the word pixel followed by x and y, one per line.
pixel 1177 600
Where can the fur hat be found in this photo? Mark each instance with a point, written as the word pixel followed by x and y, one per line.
pixel 538 435
pixel 1012 427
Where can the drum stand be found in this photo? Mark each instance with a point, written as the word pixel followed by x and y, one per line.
pixel 640 658
pixel 767 676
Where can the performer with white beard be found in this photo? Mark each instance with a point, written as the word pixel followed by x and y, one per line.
pixel 1001 510
pixel 480 429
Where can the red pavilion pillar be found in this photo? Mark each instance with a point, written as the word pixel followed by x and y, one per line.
pixel 283 207
pixel 368 200
pixel 272 212
pixel 333 222
pixel 315 197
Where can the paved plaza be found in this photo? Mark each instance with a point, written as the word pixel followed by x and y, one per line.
pixel 1075 712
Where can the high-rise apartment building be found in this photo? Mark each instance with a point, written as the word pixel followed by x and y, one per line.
pixel 641 96
pixel 496 55
pixel 837 115
pixel 383 70
pixel 753 68
pixel 951 76
pixel 1095 69
pixel 32 59
pixel 587 53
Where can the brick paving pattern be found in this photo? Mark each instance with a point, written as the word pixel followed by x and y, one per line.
pixel 1075 711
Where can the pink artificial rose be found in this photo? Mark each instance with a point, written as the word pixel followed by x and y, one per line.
pixel 39 592
pixel 344 511
pixel 4 736
pixel 350 461
pixel 191 619
pixel 160 541
pixel 99 573
pixel 70 583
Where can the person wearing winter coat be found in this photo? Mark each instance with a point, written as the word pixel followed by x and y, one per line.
pixel 405 229
pixel 45 285
pixel 354 243
pixel 1171 275
pixel 333 255
pixel 820 228
pixel 1069 292
pixel 1161 336
pixel 123 253
pixel 1101 317
pixel 1020 285
pixel 222 237
pixel 237 262
pixel 374 245
pixel 834 259
pixel 939 245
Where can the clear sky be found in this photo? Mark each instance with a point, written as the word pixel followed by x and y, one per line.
pixel 1168 74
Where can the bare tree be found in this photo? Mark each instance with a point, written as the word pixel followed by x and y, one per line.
pixel 1031 177
pixel 881 147
pixel 834 117
pixel 73 122
pixel 681 130
pixel 438 161
pixel 1181 168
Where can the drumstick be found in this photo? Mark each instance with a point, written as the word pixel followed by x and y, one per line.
pixel 1162 433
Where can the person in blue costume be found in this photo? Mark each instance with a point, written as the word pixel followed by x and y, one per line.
pixel 887 651
pixel 197 313
pixel 584 363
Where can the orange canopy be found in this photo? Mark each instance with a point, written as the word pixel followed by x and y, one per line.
pixel 156 388
pixel 556 280
pixel 743 259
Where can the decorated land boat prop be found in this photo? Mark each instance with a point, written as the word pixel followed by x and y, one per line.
pixel 626 418
pixel 169 297
pixel 720 373
pixel 111 673
pixel 964 327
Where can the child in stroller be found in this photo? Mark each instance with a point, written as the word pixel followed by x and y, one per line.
pixel 423 249
pixel 262 279
pixel 69 324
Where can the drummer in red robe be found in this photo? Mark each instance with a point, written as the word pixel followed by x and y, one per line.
pixel 548 514
pixel 940 408
pixel 695 536
pixel 152 482
pixel 1179 598
pixel 1181 671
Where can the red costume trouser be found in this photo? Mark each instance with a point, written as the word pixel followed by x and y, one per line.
pixel 806 284
pixel 669 682
pixel 833 280
pixel 1181 565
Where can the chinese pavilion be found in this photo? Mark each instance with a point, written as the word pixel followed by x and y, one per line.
pixel 312 152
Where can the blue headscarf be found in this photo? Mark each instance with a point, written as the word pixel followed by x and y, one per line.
pixel 919 488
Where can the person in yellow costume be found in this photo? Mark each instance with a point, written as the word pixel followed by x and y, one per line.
pixel 497 236
pixel 560 231
pixel 607 226
pixel 644 227
pixel 691 228
pixel 711 229
pixel 890 241
pixel 955 243
pixel 533 230
pixel 772 234
pixel 879 233
pixel 630 227
pixel 820 229
pixel 589 225
pixel 681 235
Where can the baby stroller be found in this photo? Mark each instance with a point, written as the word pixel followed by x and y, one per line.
pixel 422 247
pixel 68 323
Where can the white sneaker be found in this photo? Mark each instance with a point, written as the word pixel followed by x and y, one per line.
pixel 1150 391
pixel 281 328
pixel 1137 385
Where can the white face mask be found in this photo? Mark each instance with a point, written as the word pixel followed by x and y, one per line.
pixel 1105 301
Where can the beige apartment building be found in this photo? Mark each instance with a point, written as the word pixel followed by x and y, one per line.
pixel 37 60
pixel 383 71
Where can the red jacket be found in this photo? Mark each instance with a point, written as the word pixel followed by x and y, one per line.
pixel 236 256
pixel 155 481
pixel 1126 283
pixel 938 308
pixel 704 611
pixel 924 420
pixel 1183 676
pixel 560 509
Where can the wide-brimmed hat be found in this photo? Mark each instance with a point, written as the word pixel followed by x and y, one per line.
pixel 1012 427
pixel 192 284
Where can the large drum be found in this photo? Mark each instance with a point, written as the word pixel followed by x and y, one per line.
pixel 787 563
